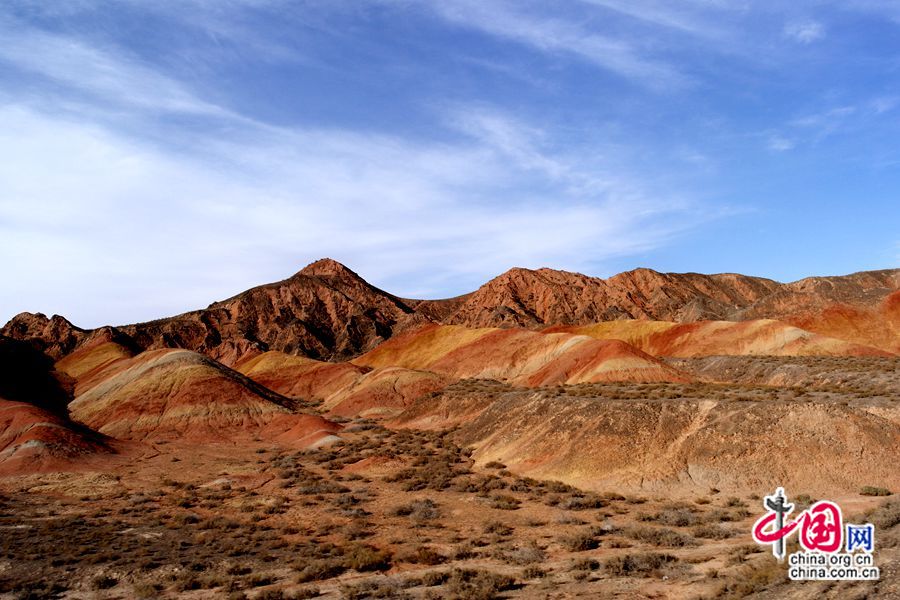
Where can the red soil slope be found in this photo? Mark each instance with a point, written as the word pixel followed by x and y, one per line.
pixel 518 356
pixel 720 338
pixel 878 326
pixel 298 377
pixel 621 444
pixel 344 389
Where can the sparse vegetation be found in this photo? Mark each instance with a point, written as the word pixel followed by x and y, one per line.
pixel 870 490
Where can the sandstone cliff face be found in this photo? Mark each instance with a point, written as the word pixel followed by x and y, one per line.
pixel 325 311
pixel 56 336
pixel 530 298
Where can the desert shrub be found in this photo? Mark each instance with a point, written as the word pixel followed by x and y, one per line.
pixel 473 584
pixel 433 578
pixel 874 491
pixel 586 564
pixel 739 555
pixel 367 558
pixel 218 522
pixel 260 579
pixel 660 536
pixel 712 532
pixel 320 570
pixel 494 464
pixel 498 528
pixel 579 542
pixel 524 555
pixel 581 503
pixel 676 517
pixel 39 590
pixel 504 502
pixel 752 579
pixel 480 484
pixel 885 516
pixel 187 582
pixel 803 501
pixel 533 572
pixel 637 564
pixel 464 551
pixel 146 589
pixel 374 589
pixel 419 510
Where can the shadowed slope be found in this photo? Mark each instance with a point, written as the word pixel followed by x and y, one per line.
pixel 720 338
pixel 36 439
pixel 35 431
pixel 518 356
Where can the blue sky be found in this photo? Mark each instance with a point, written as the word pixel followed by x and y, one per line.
pixel 158 156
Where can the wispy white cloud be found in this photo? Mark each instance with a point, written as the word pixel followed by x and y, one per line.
pixel 108 76
pixel 779 143
pixel 92 220
pixel 549 33
pixel 697 18
pixel 805 32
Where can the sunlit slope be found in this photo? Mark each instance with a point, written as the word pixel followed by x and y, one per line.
pixel 518 356
pixel 721 338
pixel 343 389
pixel 176 393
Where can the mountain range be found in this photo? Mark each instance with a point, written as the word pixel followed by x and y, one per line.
pixel 328 312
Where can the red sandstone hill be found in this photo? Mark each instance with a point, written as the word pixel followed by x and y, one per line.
pixel 178 394
pixel 324 311
pixel 344 389
pixel 543 297
pixel 760 337
pixel 328 312
pixel 518 356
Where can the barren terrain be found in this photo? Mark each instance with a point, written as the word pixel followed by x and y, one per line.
pixel 541 437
